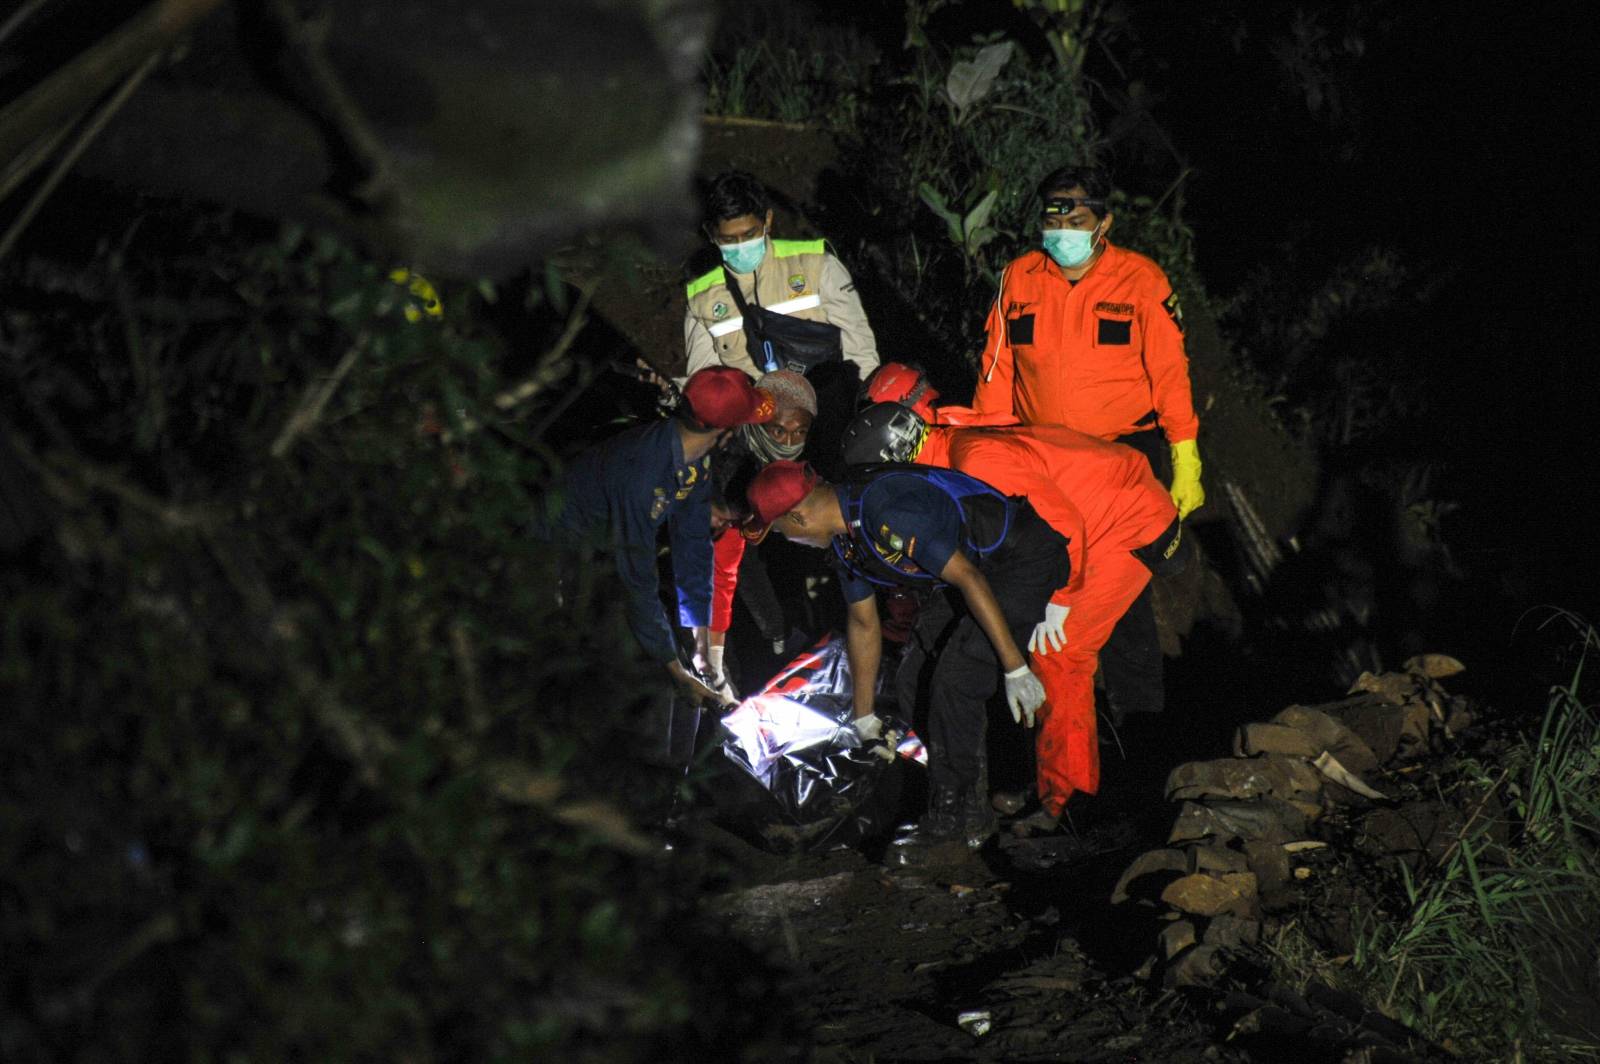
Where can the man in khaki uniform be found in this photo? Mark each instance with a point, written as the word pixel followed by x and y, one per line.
pixel 792 277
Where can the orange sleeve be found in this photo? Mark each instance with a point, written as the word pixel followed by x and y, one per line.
pixel 1013 469
pixel 966 417
pixel 1166 364
pixel 993 396
pixel 727 551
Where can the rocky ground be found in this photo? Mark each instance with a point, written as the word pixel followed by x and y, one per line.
pixel 1134 937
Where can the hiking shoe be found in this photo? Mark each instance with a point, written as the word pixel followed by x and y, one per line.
pixel 1008 803
pixel 940 834
pixel 1039 822
pixel 978 823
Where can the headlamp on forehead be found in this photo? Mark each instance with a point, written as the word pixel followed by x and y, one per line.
pixel 1068 204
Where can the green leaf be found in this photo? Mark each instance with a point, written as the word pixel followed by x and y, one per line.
pixel 971 79
pixel 978 216
pixel 934 200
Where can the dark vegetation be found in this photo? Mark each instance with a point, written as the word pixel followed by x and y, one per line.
pixel 300 760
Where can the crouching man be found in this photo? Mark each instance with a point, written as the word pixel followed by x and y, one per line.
pixel 620 492
pixel 997 564
pixel 1120 525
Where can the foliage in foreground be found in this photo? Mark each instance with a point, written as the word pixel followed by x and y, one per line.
pixel 1490 950
pixel 299 762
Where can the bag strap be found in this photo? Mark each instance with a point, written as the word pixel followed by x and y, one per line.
pixel 760 348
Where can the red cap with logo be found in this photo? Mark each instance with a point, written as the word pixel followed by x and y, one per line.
pixel 777 489
pixel 721 397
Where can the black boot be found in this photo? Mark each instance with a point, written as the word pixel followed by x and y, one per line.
pixel 978 823
pixel 940 836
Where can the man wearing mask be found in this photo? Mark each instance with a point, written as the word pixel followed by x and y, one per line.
pixel 798 279
pixel 736 568
pixel 1089 335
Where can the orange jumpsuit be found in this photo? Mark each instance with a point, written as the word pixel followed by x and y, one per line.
pixel 1104 356
pixel 1103 498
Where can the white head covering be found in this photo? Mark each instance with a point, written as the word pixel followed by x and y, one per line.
pixel 790 391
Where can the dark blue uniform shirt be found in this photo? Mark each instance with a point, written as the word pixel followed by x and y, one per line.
pixel 619 492
pixel 915 524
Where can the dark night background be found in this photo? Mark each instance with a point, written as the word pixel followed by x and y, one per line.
pixel 1452 138
pixel 1451 142
pixel 299 756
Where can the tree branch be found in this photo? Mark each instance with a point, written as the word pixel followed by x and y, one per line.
pixel 315 400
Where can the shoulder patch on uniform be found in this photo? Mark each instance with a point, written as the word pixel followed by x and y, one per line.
pixel 1174 311
pixel 785 248
pixel 719 310
pixel 706 280
pixel 797 283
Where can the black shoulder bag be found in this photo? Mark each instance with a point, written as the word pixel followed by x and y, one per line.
pixel 778 341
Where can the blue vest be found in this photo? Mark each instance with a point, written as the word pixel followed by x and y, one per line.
pixel 861 554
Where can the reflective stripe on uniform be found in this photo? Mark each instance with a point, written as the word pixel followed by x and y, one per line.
pixel 791 306
pixel 788 306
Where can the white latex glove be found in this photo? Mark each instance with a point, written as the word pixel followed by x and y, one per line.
pixel 869 727
pixel 1050 633
pixel 873 738
pixel 716 675
pixel 1024 693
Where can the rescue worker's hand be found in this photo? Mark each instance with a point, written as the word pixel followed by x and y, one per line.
pixel 1187 494
pixel 869 727
pixel 667 394
pixel 693 687
pixel 701 658
pixel 876 741
pixel 717 676
pixel 1024 693
pixel 1050 633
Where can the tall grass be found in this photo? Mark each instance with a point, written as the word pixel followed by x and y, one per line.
pixel 1493 947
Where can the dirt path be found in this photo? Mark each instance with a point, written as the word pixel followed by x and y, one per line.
pixel 1011 955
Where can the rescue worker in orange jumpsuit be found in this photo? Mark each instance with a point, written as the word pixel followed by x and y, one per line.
pixel 1089 335
pixel 1120 525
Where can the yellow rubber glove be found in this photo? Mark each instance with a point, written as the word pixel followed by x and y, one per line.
pixel 1187 494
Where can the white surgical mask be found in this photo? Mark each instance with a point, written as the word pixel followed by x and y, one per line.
pixel 1070 247
pixel 746 255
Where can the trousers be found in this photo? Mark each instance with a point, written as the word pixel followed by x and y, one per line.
pixel 1067 743
pixel 950 668
pixel 1130 659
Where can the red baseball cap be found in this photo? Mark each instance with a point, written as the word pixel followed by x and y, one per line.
pixel 721 397
pixel 777 489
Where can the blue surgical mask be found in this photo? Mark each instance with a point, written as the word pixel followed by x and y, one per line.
pixel 1070 247
pixel 746 255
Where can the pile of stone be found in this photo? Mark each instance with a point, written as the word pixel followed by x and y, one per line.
pixel 1233 857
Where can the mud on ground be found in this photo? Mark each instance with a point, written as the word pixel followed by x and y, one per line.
pixel 979 960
